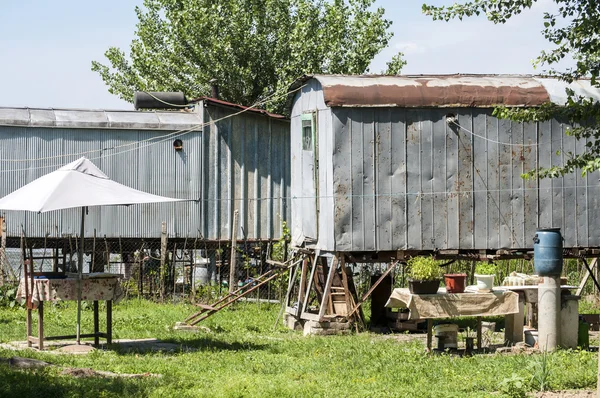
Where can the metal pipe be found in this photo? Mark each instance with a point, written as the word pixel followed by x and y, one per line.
pixel 79 271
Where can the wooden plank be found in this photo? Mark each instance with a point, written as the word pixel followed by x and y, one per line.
pixel 310 316
pixel 326 292
pixel 231 301
pixel 479 342
pixel 311 281
pixel 429 333
pixel 368 293
pixel 586 276
pixel 96 324
pixel 108 321
pixel 41 325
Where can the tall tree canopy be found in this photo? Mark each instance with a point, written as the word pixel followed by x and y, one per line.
pixel 574 31
pixel 252 48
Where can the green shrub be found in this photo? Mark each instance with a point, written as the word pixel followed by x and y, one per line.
pixel 485 268
pixel 424 269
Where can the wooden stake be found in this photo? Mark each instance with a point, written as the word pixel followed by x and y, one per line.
pixel 163 258
pixel 233 258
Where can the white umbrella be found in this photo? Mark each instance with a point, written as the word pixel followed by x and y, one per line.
pixel 77 184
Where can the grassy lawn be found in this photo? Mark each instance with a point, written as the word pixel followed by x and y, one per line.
pixel 240 354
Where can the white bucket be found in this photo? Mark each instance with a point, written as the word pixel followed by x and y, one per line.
pixel 485 283
pixel 449 331
pixel 531 337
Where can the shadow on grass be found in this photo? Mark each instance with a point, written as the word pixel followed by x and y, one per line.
pixel 43 383
pixel 175 346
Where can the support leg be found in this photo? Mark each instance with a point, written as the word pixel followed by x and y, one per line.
pixel 479 342
pixel 429 334
pixel 108 321
pixel 41 325
pixel 513 329
pixel 29 327
pixel 96 325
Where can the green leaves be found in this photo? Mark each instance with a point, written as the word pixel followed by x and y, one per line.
pixel 253 48
pixel 575 33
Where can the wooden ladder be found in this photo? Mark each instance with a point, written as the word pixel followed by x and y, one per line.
pixel 208 310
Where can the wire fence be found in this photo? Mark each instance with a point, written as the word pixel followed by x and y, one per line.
pixel 191 268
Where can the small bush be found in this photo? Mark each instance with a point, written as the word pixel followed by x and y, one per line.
pixel 424 269
pixel 485 268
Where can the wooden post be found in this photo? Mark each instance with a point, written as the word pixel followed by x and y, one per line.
pixel 163 258
pixel 96 325
pixel 41 325
pixel 3 263
pixel 233 258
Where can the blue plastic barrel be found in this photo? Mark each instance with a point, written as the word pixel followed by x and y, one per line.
pixel 548 252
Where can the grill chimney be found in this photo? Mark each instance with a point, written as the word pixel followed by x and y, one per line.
pixel 214 88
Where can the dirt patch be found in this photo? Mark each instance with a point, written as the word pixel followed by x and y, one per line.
pixel 566 394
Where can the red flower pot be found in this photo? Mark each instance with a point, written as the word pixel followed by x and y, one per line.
pixel 455 283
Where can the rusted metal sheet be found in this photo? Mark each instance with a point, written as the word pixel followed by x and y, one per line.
pixel 477 91
pixel 404 178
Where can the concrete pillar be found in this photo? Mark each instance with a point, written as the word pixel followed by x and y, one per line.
pixel 513 328
pixel 569 321
pixel 549 313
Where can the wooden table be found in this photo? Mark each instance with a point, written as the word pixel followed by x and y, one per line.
pixel 93 289
pixel 448 305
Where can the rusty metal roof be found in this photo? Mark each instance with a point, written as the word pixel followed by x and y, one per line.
pixel 475 91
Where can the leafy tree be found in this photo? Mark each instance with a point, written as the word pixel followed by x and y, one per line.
pixel 252 48
pixel 574 31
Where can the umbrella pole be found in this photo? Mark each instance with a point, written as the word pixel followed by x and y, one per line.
pixel 80 270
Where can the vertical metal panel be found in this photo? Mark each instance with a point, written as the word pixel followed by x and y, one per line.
pixel 530 195
pixel 545 185
pixel 440 210
pixel 383 189
pixel 426 189
pixel 464 186
pixel 516 194
pixel 480 182
pixel 398 180
pixel 452 181
pixel 342 181
pixel 413 179
pixel 492 168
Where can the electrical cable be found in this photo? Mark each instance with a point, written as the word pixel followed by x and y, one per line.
pixel 162 138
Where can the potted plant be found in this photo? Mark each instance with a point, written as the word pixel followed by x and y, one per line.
pixel 455 283
pixel 484 273
pixel 424 275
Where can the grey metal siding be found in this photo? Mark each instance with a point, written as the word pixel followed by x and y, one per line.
pixel 405 179
pixel 241 162
pixel 248 170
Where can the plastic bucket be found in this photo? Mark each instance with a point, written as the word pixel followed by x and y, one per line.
pixel 548 252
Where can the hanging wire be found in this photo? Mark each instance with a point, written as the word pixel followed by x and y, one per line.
pixel 148 141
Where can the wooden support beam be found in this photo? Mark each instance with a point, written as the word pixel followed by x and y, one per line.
pixel 311 281
pixel 586 276
pixel 368 293
pixel 327 291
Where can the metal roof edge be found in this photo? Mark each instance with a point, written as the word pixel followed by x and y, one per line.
pixel 98 119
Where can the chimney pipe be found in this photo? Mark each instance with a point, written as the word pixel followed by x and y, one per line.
pixel 214 88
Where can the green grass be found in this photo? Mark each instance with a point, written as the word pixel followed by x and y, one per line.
pixel 241 355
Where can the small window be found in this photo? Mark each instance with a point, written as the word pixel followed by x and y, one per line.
pixel 307 135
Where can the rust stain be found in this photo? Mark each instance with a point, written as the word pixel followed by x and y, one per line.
pixel 423 94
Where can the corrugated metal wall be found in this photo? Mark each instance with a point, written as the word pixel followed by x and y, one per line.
pixel 405 179
pixel 247 169
pixel 208 168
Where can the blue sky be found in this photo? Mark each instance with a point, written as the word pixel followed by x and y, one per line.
pixel 46 47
